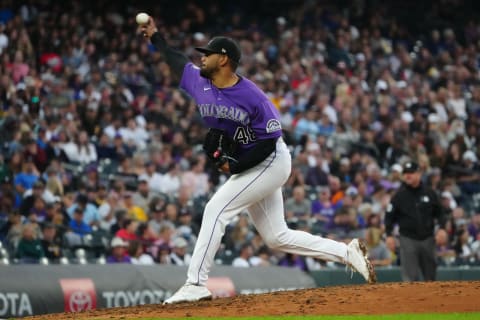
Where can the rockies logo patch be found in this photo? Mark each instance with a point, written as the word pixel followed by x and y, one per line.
pixel 273 125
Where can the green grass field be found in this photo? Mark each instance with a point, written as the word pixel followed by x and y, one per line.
pixel 423 316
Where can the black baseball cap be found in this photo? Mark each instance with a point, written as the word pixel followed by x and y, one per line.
pixel 410 167
pixel 222 45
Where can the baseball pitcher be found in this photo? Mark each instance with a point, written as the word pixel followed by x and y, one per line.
pixel 245 139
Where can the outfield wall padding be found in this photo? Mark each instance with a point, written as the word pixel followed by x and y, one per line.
pixel 37 289
pixel 341 276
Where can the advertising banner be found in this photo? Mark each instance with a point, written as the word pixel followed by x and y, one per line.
pixel 36 289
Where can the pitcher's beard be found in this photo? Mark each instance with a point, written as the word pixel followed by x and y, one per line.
pixel 208 73
pixel 205 73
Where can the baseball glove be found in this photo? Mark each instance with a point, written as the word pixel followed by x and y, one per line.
pixel 219 147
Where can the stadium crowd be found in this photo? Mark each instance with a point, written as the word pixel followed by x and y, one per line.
pixel 101 157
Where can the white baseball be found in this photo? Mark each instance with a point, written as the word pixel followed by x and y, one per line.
pixel 142 18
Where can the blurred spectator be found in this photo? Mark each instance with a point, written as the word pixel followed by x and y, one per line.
pixel 3 38
pixel 243 259
pixel 90 212
pixel 291 260
pixel 37 154
pixel 459 218
pixel 344 224
pixel 163 254
pixel 128 231
pixel 261 257
pixel 38 210
pixel 364 212
pixel 33 220
pixel 344 171
pixel 126 171
pixel 54 184
pixel 171 212
pixel 307 125
pixel 476 246
pixel 59 181
pixel 56 214
pixel 51 243
pixel 393 250
pixel 474 225
pixel 19 68
pixel 160 249
pixel 237 233
pixel 106 210
pixel 469 177
pixel 99 194
pixel 322 208
pixel 316 175
pixel 154 178
pixel 448 201
pixel 120 218
pixel 90 180
pixel 138 255
pixel 179 255
pixel 104 148
pixel 54 150
pixel 4 169
pixel 380 198
pixel 444 252
pixel 186 228
pixel 298 206
pixel 28 200
pixel 38 192
pixel 122 150
pixel 171 180
pixel 184 201
pixel 143 196
pixel 25 179
pixel 118 253
pixel 112 130
pixel 378 252
pixel 80 150
pixel 336 190
pixel 14 228
pixel 78 224
pixel 134 211
pixel 463 250
pixel 29 249
pixel 134 134
pixel 16 162
pixel 195 179
pixel 146 235
pixel 157 214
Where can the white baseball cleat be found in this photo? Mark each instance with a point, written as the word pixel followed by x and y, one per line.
pixel 189 293
pixel 357 259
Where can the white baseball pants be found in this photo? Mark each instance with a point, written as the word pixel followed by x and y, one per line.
pixel 259 191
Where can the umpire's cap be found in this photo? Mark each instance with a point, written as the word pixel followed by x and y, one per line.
pixel 410 167
pixel 222 45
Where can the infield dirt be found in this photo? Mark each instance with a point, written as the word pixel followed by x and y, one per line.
pixel 385 298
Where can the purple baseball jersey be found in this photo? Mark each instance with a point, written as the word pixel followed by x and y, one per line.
pixel 243 111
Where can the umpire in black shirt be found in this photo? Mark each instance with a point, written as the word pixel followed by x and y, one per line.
pixel 414 207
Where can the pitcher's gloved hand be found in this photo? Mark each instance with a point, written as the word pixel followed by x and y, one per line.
pixel 219 147
pixel 225 168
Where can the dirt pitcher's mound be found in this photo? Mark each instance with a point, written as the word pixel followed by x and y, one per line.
pixel 387 298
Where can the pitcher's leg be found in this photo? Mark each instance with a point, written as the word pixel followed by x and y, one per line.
pixel 268 217
pixel 238 192
pixel 217 214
